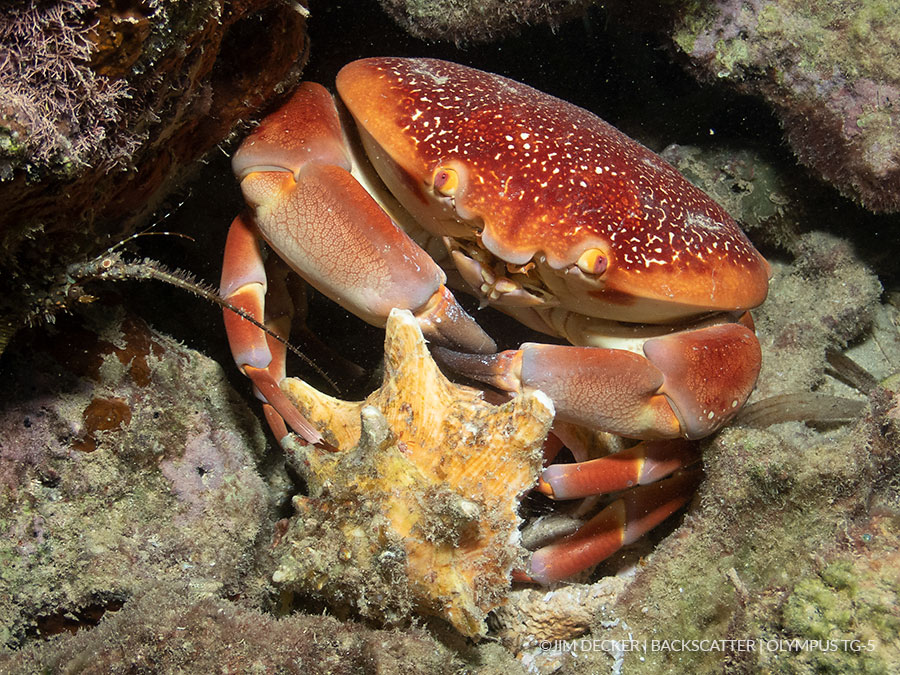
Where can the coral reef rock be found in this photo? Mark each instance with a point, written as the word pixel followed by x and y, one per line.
pixel 831 297
pixel 830 71
pixel 478 20
pixel 103 107
pixel 126 460
pixel 416 508
pixel 173 629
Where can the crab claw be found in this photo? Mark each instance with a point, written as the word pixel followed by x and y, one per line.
pixel 685 384
pixel 295 173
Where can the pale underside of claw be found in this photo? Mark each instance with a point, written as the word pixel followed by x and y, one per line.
pixel 416 509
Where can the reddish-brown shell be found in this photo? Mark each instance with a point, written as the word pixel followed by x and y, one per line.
pixel 548 177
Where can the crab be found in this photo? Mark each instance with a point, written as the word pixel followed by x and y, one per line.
pixel 425 174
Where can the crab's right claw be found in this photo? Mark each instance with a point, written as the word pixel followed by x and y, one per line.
pixel 295 173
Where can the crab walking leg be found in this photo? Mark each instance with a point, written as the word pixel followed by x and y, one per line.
pixel 685 384
pixel 642 464
pixel 279 315
pixel 258 355
pixel 621 523
pixel 295 174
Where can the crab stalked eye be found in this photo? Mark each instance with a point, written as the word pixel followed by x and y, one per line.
pixel 593 261
pixel 446 181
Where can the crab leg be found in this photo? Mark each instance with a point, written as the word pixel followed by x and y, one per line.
pixel 642 464
pixel 685 384
pixel 258 355
pixel 621 523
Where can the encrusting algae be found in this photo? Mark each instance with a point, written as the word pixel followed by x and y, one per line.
pixel 415 511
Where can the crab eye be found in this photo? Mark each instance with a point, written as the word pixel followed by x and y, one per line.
pixel 446 181
pixel 593 261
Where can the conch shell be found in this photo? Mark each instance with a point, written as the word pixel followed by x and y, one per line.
pixel 416 510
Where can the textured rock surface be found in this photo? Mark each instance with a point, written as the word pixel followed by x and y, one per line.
pixel 125 460
pixel 465 21
pixel 534 615
pixel 171 628
pixel 831 72
pixel 104 104
pixel 795 330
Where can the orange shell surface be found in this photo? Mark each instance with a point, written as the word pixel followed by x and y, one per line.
pixel 416 510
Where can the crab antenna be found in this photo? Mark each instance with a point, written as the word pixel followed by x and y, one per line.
pixel 112 267
pixel 147 233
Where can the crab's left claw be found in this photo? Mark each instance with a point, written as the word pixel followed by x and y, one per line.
pixel 685 384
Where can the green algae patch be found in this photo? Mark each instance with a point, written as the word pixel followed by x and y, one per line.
pixel 858 38
pixel 852 609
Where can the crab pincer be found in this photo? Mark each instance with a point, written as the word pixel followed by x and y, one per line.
pixel 295 175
